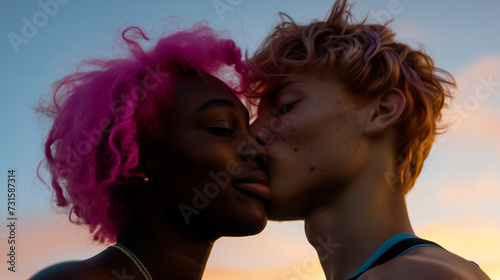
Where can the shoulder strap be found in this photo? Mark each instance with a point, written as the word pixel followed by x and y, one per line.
pixel 397 250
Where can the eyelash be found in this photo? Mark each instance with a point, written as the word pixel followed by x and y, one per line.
pixel 221 131
pixel 285 109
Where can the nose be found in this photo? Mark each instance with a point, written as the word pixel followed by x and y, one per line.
pixel 261 132
pixel 253 151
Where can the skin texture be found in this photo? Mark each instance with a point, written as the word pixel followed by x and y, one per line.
pixel 308 142
pixel 197 144
pixel 327 165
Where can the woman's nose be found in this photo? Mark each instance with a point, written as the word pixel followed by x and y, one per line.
pixel 254 152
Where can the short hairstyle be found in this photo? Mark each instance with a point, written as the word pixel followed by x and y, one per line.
pixel 369 62
pixel 108 108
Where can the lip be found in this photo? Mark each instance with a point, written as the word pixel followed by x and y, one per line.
pixel 255 183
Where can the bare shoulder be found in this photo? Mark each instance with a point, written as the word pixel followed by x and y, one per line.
pixel 74 270
pixel 427 263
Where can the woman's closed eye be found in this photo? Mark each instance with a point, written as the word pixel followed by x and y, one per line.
pixel 284 109
pixel 220 131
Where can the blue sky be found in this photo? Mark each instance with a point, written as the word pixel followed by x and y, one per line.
pixel 462 36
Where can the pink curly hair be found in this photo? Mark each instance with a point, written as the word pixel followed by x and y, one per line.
pixel 101 117
pixel 369 62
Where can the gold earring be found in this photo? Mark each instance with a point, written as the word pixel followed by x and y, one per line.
pixel 145 180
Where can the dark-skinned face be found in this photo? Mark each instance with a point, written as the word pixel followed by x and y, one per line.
pixel 208 172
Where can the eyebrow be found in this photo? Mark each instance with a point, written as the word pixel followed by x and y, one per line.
pixel 214 103
pixel 272 95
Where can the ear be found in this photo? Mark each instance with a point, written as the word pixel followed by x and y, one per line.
pixel 385 111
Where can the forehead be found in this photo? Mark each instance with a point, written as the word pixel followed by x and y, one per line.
pixel 193 92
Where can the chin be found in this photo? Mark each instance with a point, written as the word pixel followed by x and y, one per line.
pixel 247 231
pixel 248 225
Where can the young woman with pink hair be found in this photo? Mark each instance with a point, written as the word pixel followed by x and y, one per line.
pixel 150 151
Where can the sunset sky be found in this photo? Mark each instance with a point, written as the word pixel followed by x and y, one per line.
pixel 455 201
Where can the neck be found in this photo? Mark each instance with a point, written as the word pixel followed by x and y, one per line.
pixel 167 252
pixel 347 232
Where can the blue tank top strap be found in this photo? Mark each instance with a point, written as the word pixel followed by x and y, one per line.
pixel 394 247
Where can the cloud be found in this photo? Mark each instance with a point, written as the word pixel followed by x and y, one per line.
pixel 468 79
pixel 477 242
pixel 473 117
pixel 46 241
pixel 470 199
pixel 476 106
pixel 481 189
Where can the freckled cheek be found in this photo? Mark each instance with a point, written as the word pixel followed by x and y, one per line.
pixel 292 149
pixel 305 135
pixel 319 140
pixel 285 143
